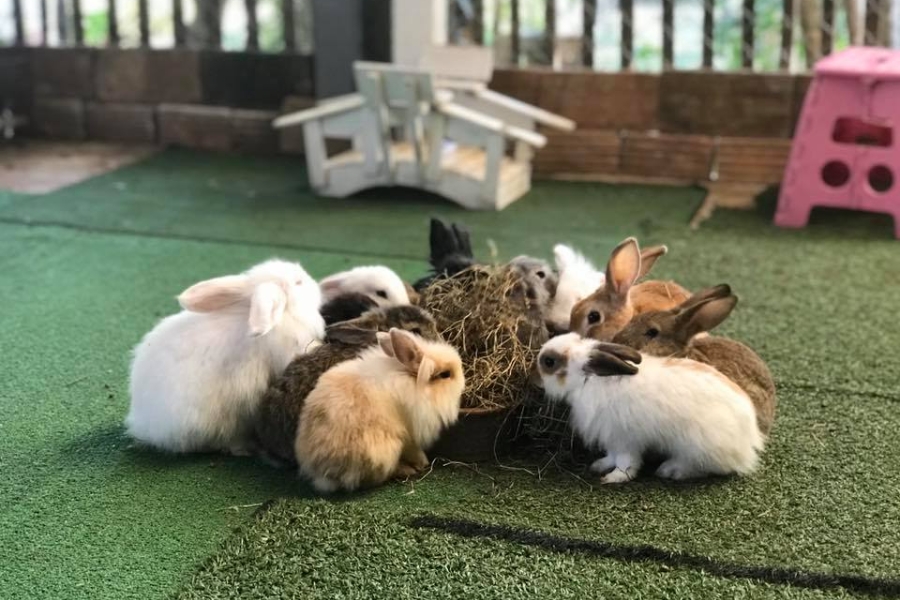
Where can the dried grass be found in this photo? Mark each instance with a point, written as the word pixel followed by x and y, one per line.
pixel 485 313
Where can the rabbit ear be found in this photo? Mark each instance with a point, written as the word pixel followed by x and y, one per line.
pixel 720 291
pixel 406 349
pixel 331 285
pixel 414 296
pixel 623 267
pixel 346 333
pixel 649 256
pixel 384 341
pixel 426 372
pixel 214 294
pixel 704 316
pixel 266 308
pixel 610 359
pixel 563 256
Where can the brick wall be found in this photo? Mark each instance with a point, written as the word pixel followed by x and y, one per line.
pixel 686 126
pixel 203 99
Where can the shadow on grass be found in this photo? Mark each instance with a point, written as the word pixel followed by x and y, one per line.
pixel 111 445
pixel 824 223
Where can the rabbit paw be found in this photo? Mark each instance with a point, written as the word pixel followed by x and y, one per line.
pixel 672 469
pixel 404 471
pixel 617 475
pixel 603 465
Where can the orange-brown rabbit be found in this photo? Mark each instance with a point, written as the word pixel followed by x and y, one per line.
pixel 368 419
pixel 606 312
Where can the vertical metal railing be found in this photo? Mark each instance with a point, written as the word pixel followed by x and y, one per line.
pixel 626 8
pixel 668 43
pixel 708 32
pixel 589 16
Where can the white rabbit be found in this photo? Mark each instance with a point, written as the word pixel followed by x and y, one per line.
pixel 197 377
pixel 379 283
pixel 578 278
pixel 697 417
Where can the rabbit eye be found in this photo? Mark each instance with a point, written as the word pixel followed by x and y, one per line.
pixel 444 375
pixel 652 332
pixel 548 362
pixel 381 294
pixel 541 274
pixel 593 317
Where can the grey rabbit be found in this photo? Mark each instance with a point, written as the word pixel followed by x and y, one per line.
pixel 276 420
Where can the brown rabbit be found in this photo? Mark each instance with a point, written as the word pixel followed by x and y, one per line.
pixel 676 332
pixel 370 418
pixel 605 312
pixel 275 423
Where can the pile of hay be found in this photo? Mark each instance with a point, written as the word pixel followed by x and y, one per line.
pixel 486 313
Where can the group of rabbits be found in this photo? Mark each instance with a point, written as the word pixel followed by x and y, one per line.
pixel 350 381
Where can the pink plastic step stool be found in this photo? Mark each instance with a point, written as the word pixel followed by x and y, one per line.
pixel 846 150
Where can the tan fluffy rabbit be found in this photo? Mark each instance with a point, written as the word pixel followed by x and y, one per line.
pixel 605 312
pixel 676 333
pixel 275 423
pixel 369 419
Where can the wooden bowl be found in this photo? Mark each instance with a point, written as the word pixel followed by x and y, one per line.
pixel 476 437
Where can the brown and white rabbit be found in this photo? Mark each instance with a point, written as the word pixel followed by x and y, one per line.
pixel 368 419
pixel 275 424
pixel 688 411
pixel 606 312
pixel 676 333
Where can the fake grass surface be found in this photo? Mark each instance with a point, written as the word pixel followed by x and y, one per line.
pixel 84 515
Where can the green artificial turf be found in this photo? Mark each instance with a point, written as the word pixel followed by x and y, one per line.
pixel 88 269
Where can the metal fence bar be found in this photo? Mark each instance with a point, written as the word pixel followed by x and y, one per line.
pixel 45 20
pixel 144 22
pixel 61 18
pixel 515 41
pixel 252 25
pixel 20 26
pixel 668 33
pixel 178 24
pixel 78 25
pixel 210 18
pixel 872 19
pixel 589 14
pixel 827 26
pixel 787 35
pixel 287 21
pixel 708 15
pixel 748 17
pixel 112 23
pixel 550 29
pixel 626 8
pixel 478 22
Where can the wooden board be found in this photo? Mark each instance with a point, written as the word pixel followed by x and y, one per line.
pixel 751 160
pixel 737 104
pixel 583 151
pixel 602 100
pixel 666 155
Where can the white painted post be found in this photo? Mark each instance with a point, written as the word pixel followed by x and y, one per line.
pixel 417 25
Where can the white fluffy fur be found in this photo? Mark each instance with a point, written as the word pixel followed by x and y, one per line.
pixel 197 376
pixel 688 411
pixel 577 279
pixel 370 281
